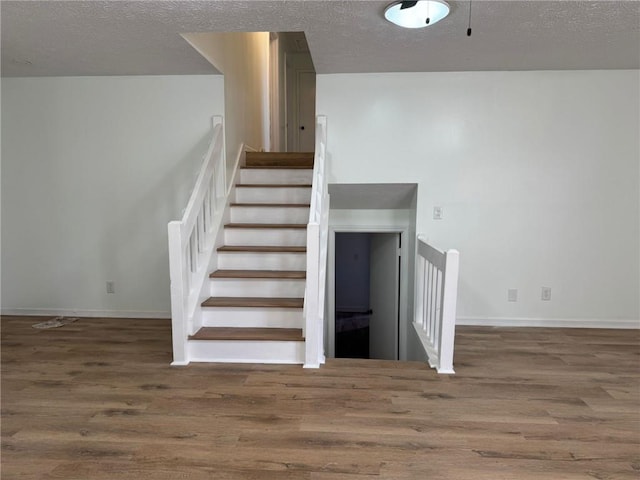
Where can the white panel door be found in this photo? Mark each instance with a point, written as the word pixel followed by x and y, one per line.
pixel 306 111
pixel 384 285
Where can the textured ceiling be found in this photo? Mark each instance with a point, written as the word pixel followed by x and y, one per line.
pixel 143 37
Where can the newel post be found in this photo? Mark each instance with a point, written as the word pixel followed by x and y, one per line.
pixel 311 330
pixel 449 300
pixel 179 290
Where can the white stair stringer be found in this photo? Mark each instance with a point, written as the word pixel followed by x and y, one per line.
pixel 273 237
pixel 244 351
pixel 252 317
pixel 257 287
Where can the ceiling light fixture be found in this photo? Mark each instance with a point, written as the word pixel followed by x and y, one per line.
pixel 416 14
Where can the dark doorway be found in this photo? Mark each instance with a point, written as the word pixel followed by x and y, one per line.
pixel 367 276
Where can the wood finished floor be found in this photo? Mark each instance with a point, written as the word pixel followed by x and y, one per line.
pixel 97 399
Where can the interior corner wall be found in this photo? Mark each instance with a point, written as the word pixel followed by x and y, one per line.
pixel 93 169
pixel 282 96
pixel 243 58
pixel 537 174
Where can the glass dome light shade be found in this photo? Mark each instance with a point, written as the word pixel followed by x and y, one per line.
pixel 416 16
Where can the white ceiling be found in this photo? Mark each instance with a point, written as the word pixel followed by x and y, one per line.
pixel 143 37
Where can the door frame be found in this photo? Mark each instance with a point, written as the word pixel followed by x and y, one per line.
pixel 403 306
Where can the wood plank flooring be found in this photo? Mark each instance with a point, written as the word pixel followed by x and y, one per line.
pixel 97 399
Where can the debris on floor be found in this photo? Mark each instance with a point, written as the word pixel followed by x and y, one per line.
pixel 55 322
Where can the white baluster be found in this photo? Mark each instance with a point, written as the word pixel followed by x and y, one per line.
pixel 436 294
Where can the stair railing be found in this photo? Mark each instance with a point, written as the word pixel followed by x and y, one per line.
pixel 436 296
pixel 317 244
pixel 191 241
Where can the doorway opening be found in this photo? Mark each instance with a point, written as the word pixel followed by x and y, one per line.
pixel 367 294
pixel 292 93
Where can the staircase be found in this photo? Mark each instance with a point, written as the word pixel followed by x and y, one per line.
pixel 255 310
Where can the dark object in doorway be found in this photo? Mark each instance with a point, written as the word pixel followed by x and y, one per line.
pixel 352 334
pixel 353 344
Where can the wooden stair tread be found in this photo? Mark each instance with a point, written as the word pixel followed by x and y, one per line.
pixel 286 274
pixel 277 167
pixel 259 334
pixel 272 205
pixel 262 249
pixel 279 159
pixel 273 185
pixel 266 225
pixel 258 155
pixel 254 302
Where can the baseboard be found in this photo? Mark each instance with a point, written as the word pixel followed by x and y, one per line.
pixel 625 323
pixel 180 364
pixel 59 312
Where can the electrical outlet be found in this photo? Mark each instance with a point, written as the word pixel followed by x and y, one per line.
pixel 545 294
pixel 111 287
pixel 437 213
pixel 512 295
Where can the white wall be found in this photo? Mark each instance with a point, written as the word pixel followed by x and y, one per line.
pixel 352 271
pixel 282 96
pixel 277 98
pixel 93 169
pixel 243 58
pixel 537 173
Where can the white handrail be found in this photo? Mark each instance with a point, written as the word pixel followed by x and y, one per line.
pixel 436 296
pixel 317 242
pixel 191 241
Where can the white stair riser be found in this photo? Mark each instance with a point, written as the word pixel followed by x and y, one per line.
pixel 231 351
pixel 266 237
pixel 257 287
pixel 273 195
pixel 261 261
pixel 295 176
pixel 270 215
pixel 252 317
